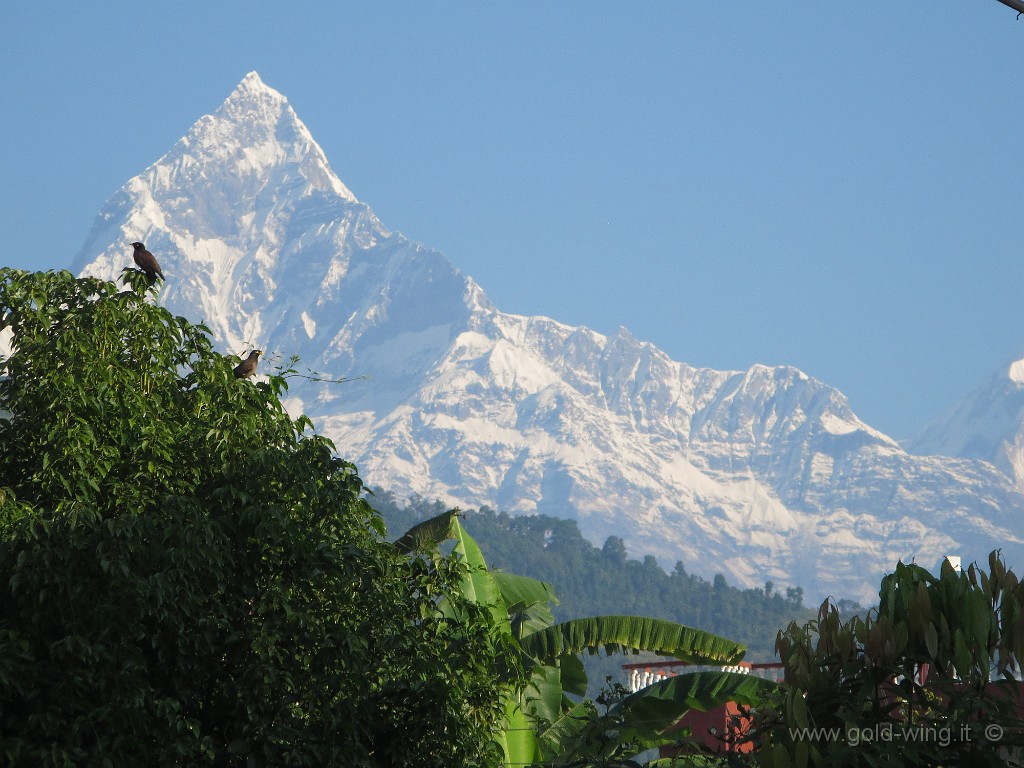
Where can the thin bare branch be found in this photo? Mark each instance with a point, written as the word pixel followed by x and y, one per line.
pixel 1017 5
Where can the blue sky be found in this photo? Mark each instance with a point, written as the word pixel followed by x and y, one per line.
pixel 832 186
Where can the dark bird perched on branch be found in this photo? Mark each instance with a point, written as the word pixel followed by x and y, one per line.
pixel 146 261
pixel 247 367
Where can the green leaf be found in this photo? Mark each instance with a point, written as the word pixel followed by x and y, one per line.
pixel 542 697
pixel 931 639
pixel 518 741
pixel 574 675
pixel 632 634
pixel 426 536
pixel 570 725
pixel 479 585
pixel 528 602
pixel 522 591
pixel 663 703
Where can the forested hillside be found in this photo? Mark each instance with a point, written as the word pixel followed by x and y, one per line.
pixel 592 580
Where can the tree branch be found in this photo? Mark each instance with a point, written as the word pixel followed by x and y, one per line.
pixel 1017 5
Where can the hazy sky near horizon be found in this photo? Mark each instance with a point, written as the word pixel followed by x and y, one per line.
pixel 831 186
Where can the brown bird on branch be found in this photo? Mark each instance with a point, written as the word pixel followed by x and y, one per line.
pixel 146 261
pixel 247 367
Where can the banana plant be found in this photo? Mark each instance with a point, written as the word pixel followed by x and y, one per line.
pixel 543 724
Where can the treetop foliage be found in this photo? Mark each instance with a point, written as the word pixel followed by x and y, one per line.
pixel 936 668
pixel 189 576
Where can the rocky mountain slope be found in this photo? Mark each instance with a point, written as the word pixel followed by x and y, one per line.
pixel 764 474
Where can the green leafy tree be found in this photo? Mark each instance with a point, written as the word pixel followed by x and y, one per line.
pixel 929 678
pixel 189 576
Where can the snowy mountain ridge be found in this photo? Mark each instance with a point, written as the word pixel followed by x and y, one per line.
pixel 764 474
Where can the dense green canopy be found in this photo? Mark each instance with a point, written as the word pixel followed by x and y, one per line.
pixel 189 576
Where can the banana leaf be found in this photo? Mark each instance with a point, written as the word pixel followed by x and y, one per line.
pixel 528 602
pixel 426 536
pixel 518 741
pixel 626 634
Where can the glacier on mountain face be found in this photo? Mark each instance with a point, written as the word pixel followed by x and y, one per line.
pixel 764 474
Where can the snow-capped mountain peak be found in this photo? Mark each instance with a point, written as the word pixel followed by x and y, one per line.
pixel 254 138
pixel 988 424
pixel 221 208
